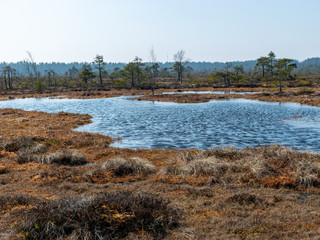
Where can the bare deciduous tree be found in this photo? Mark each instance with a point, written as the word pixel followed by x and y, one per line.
pixel 31 68
pixel 180 63
pixel 154 68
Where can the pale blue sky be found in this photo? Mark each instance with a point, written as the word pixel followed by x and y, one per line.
pixel 208 30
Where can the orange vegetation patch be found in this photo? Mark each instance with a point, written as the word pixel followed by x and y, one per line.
pixel 279 181
pixel 4 153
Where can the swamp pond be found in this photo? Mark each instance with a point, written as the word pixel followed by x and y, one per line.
pixel 218 123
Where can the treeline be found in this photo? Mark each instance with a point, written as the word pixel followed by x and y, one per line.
pixel 308 66
pixel 267 71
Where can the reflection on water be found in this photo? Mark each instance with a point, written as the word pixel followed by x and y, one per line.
pixel 236 122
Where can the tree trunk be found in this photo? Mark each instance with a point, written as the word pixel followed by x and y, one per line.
pixel 132 81
pixel 5 82
pixel 100 76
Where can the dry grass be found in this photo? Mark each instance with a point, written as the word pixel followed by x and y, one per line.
pixel 65 157
pixel 23 144
pixel 131 166
pixel 272 166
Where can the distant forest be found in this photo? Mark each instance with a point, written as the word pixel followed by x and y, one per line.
pixel 308 66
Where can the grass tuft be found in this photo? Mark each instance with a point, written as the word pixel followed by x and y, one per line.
pixel 65 157
pixel 271 166
pixel 132 166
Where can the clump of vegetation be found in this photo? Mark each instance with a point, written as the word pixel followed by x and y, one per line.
pixel 65 157
pixel 23 144
pixel 208 167
pixel 107 216
pixel 271 166
pixel 305 91
pixel 131 166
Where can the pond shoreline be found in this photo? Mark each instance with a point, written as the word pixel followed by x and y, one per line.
pixel 309 96
pixel 312 99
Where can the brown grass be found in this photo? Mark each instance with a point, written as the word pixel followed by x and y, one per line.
pixel 131 166
pixel 272 166
pixel 269 192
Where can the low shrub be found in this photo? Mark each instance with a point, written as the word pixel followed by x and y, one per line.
pixel 28 157
pixel 23 144
pixel 108 216
pixel 132 166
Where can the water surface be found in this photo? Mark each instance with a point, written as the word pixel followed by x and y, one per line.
pixel 210 92
pixel 145 124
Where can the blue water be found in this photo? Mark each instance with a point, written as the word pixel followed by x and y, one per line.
pixel 144 124
pixel 210 92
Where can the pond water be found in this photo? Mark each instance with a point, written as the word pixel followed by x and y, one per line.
pixel 145 124
pixel 210 92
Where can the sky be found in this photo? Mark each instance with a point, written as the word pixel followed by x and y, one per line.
pixel 207 30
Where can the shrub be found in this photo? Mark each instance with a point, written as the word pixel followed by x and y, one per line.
pixel 107 216
pixel 132 166
pixel 39 86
